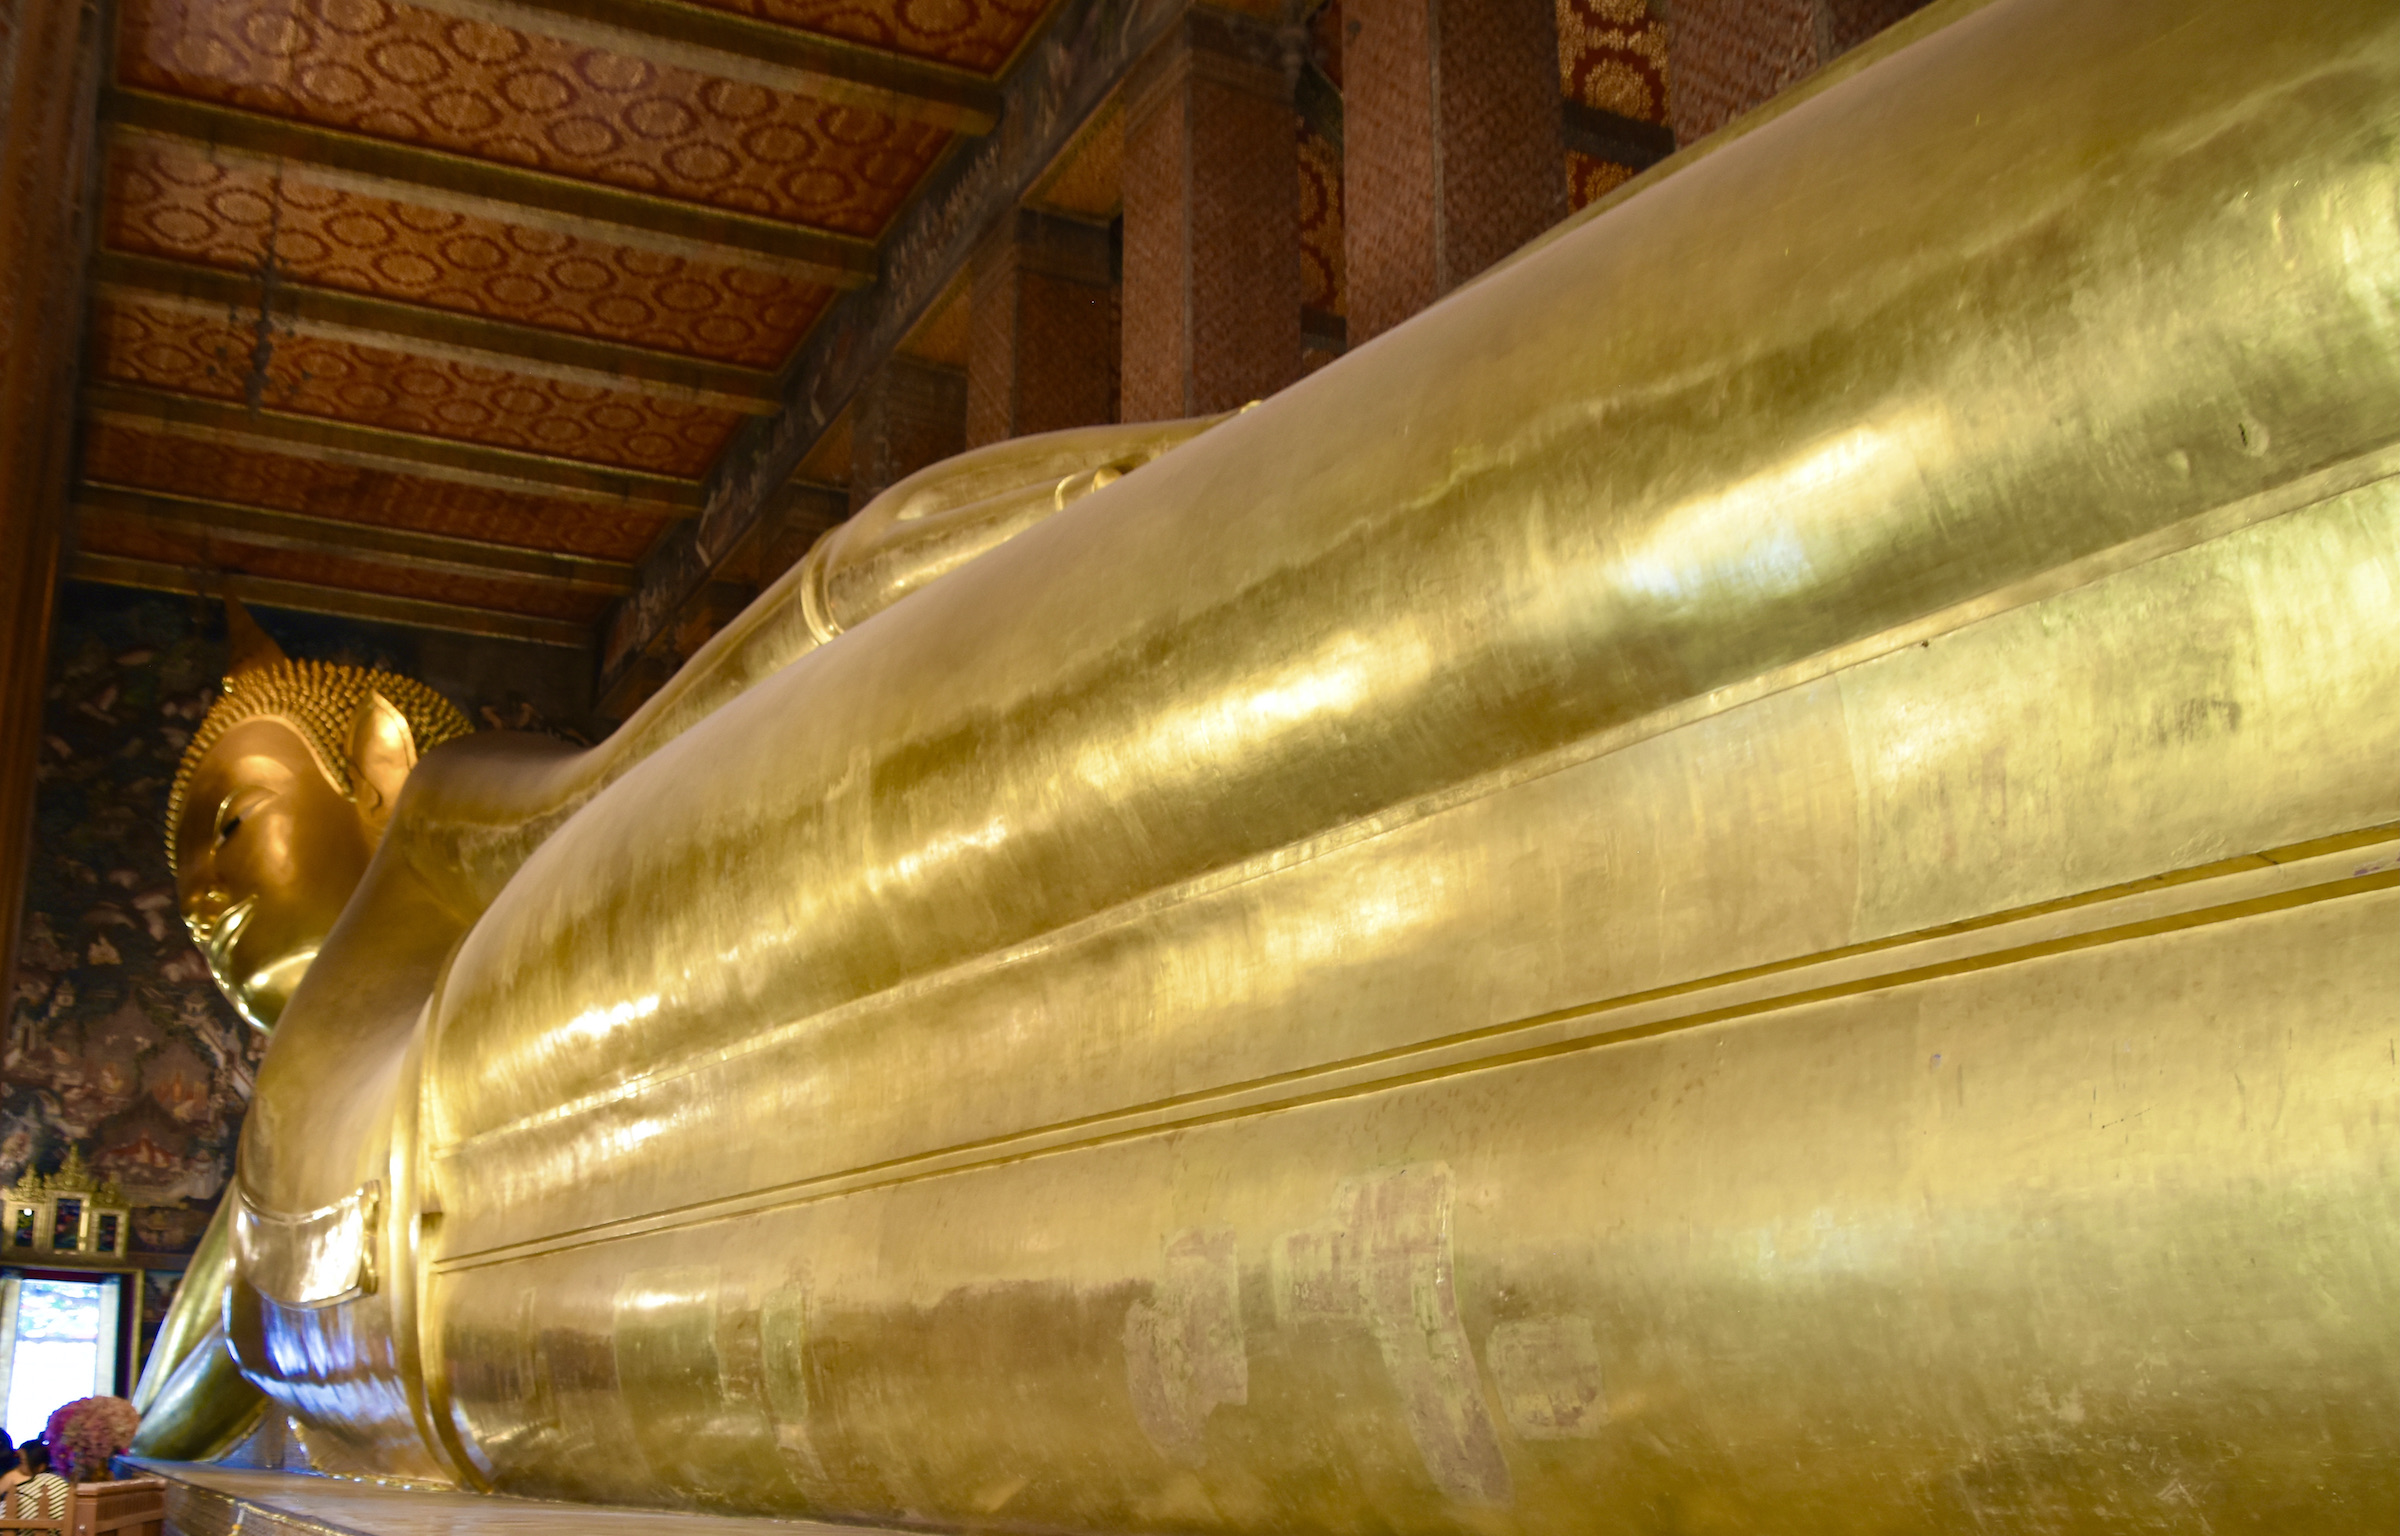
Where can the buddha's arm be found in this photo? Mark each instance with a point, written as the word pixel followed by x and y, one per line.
pixel 193 1398
pixel 479 807
pixel 475 809
pixel 1402 710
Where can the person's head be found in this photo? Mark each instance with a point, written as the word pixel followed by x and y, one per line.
pixel 279 803
pixel 36 1457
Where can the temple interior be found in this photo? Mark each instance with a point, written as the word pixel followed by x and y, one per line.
pixel 1487 766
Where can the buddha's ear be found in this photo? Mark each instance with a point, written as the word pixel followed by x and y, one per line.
pixel 382 751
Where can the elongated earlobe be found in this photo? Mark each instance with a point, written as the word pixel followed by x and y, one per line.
pixel 382 752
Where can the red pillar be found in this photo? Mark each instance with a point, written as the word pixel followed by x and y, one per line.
pixel 1452 155
pixel 1212 221
pixel 1042 342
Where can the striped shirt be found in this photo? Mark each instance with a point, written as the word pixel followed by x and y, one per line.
pixel 43 1497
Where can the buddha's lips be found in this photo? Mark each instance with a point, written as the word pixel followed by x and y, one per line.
pixel 216 937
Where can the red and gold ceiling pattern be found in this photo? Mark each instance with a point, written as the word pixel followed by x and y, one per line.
pixel 1590 179
pixel 419 77
pixel 1613 54
pixel 1321 263
pixel 478 88
pixel 980 35
pixel 397 72
pixel 164 200
pixel 199 548
pixel 197 354
pixel 117 454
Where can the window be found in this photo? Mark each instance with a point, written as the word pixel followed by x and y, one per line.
pixel 61 1344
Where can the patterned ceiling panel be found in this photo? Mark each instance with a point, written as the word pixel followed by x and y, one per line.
pixel 101 533
pixel 972 34
pixel 398 72
pixel 1612 54
pixel 1322 281
pixel 164 200
pixel 198 354
pixel 120 455
pixel 1589 180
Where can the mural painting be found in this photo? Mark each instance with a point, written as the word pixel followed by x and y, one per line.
pixel 117 1043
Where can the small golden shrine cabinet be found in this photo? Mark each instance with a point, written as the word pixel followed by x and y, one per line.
pixel 71 1216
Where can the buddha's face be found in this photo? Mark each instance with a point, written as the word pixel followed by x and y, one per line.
pixel 267 853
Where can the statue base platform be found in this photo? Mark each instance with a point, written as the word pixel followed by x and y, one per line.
pixel 208 1500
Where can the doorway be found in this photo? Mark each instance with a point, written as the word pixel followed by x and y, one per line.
pixel 59 1340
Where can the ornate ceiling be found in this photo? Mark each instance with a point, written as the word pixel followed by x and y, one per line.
pixel 174 202
pixel 439 312
pixel 442 311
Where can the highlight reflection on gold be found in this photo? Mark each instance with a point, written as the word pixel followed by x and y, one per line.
pixel 1671 893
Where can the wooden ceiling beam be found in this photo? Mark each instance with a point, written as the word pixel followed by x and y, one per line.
pixel 271 592
pixel 436 178
pixel 399 548
pixel 333 315
pixel 378 448
pixel 1061 78
pixel 1612 136
pixel 731 46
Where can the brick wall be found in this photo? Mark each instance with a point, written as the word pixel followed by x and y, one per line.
pixel 1728 56
pixel 1212 286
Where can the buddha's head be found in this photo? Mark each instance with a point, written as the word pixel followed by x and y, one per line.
pixel 279 803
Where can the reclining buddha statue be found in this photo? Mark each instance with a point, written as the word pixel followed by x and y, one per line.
pixel 1742 880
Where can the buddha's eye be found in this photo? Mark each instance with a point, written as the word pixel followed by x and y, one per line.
pixel 235 808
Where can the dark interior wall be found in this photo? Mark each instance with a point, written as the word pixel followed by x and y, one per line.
pixel 117 1042
pixel 51 61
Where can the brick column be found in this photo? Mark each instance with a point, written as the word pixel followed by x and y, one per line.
pixel 1726 56
pixel 910 414
pixel 1042 343
pixel 1212 221
pixel 1452 155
